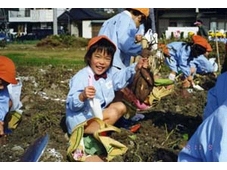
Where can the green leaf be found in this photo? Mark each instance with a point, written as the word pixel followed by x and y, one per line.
pixel 185 136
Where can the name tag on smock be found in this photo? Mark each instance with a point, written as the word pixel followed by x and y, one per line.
pixel 109 85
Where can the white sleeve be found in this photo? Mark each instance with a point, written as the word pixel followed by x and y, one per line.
pixel 15 95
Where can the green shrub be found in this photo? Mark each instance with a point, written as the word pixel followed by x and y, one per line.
pixel 64 41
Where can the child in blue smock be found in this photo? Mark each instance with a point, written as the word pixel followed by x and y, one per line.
pixel 179 56
pixel 98 80
pixel 124 29
pixel 10 91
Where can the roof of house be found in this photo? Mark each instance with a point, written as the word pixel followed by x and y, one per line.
pixel 82 14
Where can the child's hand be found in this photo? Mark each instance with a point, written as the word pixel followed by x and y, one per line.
pixel 138 38
pixel 192 70
pixel 1 128
pixel 89 92
pixel 143 62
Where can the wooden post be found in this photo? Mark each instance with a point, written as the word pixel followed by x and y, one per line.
pixel 217 49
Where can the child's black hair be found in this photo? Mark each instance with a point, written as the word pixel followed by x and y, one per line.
pixel 197 50
pixel 137 13
pixel 101 45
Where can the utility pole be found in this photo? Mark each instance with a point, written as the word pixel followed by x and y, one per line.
pixel 197 13
pixel 55 21
pixel 152 16
pixel 5 20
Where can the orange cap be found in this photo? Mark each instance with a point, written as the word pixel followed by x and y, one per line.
pixel 164 49
pixel 209 48
pixel 201 41
pixel 96 39
pixel 144 11
pixel 7 70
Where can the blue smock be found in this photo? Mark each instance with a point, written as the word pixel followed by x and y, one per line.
pixel 202 65
pixel 13 92
pixel 216 95
pixel 77 111
pixel 4 103
pixel 179 58
pixel 209 142
pixel 121 29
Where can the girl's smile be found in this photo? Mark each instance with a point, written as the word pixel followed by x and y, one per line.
pixel 100 62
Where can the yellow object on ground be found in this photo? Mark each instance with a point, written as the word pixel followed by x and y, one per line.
pixel 13 119
pixel 76 149
pixel 158 93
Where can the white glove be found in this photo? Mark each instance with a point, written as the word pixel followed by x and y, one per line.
pixel 148 35
pixel 137 117
pixel 172 76
pixel 197 87
pixel 214 64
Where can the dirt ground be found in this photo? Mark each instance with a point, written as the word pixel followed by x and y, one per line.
pixel 164 130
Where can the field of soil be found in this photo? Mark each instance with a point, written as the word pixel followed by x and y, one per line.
pixel 164 130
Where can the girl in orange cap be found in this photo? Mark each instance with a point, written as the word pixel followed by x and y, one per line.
pixel 98 80
pixel 10 101
pixel 184 57
pixel 201 64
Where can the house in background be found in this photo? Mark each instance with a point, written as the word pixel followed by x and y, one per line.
pixel 38 21
pixel 213 18
pixel 85 22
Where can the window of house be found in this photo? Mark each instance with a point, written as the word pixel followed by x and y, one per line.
pixel 221 25
pixel 172 24
pixel 213 25
pixel 27 12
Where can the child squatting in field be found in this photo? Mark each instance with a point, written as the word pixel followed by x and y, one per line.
pixel 98 80
pixel 10 90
